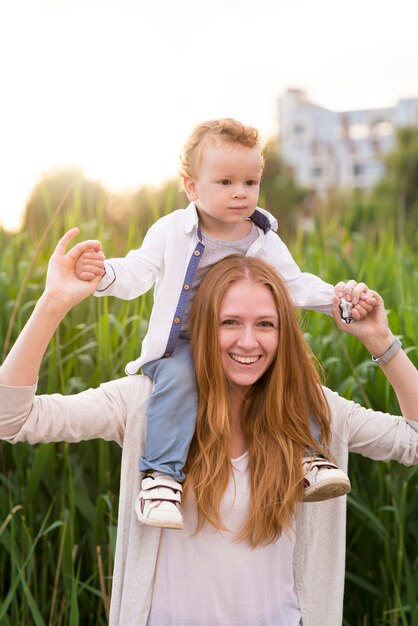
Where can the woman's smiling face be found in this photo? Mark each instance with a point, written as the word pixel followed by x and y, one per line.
pixel 248 334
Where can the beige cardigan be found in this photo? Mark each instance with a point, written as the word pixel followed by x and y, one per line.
pixel 116 411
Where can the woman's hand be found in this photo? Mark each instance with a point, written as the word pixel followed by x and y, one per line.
pixel 372 329
pixel 62 284
pixel 356 294
pixel 63 290
pixel 374 332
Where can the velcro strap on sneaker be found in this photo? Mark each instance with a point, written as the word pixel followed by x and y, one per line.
pixel 161 493
pixel 160 481
pixel 320 463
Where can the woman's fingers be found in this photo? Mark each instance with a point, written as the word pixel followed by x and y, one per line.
pixel 361 310
pixel 79 248
pixel 65 240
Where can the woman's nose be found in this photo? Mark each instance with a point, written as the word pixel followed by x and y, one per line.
pixel 247 338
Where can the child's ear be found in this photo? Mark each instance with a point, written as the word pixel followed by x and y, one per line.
pixel 190 188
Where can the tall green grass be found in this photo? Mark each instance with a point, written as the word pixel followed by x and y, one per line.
pixel 382 552
pixel 58 503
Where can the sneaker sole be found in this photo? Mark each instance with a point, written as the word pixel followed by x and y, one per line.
pixel 326 490
pixel 156 523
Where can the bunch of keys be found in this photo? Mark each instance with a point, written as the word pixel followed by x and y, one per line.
pixel 345 310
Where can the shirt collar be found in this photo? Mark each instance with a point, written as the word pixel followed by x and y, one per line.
pixel 191 218
pixel 264 220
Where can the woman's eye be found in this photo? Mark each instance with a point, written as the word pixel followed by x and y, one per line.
pixel 229 322
pixel 266 324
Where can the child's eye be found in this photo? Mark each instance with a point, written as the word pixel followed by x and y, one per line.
pixel 225 181
pixel 250 183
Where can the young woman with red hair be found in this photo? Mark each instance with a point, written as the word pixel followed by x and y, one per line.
pixel 250 552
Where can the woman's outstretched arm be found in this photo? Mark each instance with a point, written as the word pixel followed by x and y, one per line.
pixel 374 332
pixel 63 290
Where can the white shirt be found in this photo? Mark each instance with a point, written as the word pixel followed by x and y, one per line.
pixel 162 260
pixel 210 579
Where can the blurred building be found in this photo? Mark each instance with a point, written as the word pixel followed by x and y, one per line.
pixel 328 148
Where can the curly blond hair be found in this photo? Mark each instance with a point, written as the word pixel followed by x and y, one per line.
pixel 208 134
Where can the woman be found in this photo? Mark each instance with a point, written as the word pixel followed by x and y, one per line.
pixel 261 561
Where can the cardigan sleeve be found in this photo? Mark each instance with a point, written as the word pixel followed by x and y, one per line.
pixel 374 434
pixel 92 414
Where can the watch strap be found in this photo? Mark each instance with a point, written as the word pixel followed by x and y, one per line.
pixel 389 354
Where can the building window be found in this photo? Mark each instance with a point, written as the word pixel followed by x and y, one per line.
pixel 298 129
pixel 358 170
pixel 316 172
pixel 358 131
pixel 383 128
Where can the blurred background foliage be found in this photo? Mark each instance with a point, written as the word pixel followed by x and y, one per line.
pixel 58 503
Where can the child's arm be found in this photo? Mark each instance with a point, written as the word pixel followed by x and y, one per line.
pixel 130 276
pixel 307 290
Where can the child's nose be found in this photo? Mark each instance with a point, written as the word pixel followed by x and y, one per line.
pixel 240 191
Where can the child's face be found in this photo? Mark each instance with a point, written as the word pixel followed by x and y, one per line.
pixel 226 188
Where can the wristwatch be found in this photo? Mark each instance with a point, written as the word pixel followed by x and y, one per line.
pixel 389 354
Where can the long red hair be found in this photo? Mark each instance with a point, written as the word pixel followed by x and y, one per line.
pixel 275 415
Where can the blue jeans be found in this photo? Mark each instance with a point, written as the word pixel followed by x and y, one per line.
pixel 315 431
pixel 172 412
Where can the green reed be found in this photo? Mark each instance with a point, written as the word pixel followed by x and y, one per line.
pixel 58 503
pixel 382 554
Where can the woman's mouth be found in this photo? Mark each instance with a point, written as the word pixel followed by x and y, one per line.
pixel 246 360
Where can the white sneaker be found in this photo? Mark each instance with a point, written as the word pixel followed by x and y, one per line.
pixel 323 480
pixel 159 501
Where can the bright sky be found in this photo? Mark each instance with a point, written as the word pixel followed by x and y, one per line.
pixel 115 86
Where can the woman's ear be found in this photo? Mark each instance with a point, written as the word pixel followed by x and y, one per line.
pixel 190 188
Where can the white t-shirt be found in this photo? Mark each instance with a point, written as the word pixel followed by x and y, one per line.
pixel 209 579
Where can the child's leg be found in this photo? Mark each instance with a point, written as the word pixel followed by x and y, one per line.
pixel 323 479
pixel 171 422
pixel 171 413
pixel 315 430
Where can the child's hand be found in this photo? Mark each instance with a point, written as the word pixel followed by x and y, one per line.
pixel 63 285
pixel 90 264
pixel 359 296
